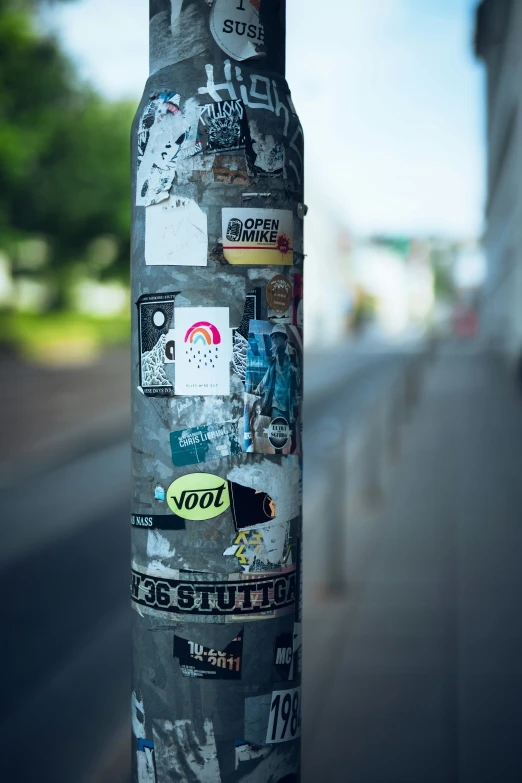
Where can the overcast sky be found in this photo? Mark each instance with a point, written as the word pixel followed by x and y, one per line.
pixel 388 92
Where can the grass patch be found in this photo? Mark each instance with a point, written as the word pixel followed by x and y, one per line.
pixel 67 334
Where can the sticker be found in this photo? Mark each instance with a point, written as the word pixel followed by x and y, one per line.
pixel 281 481
pixel 186 752
pixel 201 496
pixel 258 236
pixel 273 389
pixel 205 443
pixel 166 134
pixel 284 653
pixel 235 27
pixel 279 293
pixel 250 506
pixel 160 494
pixel 298 301
pixel 196 660
pixel 265 157
pixel 176 233
pixel 225 125
pixel 145 766
pixel 284 723
pixel 155 314
pixel 278 433
pixel 260 549
pixel 204 350
pixel 198 496
pixel 158 521
pixel 251 311
pixel 263 596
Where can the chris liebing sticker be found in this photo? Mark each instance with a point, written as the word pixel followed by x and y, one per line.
pixel 258 236
pixel 205 443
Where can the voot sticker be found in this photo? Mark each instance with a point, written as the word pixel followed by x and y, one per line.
pixel 198 496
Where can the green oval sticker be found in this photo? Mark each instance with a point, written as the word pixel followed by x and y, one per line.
pixel 198 496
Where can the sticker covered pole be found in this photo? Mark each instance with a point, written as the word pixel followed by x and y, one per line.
pixel 217 285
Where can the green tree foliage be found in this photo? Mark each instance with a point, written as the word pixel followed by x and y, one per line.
pixel 64 152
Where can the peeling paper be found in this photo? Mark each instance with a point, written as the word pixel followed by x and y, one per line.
pixel 251 311
pixel 261 549
pixel 277 764
pixel 184 754
pixel 265 156
pixel 138 717
pixel 246 752
pixel 281 482
pixel 145 762
pixel 257 710
pixel 166 134
pixel 158 549
pixel 176 233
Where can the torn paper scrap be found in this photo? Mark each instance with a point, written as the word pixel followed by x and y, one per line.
pixel 166 134
pixel 176 233
pixel 182 753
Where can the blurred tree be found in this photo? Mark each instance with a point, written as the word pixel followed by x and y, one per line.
pixel 63 150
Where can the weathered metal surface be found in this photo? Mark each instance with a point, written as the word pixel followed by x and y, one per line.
pixel 213 581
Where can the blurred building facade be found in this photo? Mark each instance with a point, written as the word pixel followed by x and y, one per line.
pixel 498 42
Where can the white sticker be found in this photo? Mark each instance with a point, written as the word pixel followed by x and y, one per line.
pixel 284 720
pixel 176 233
pixel 258 236
pixel 166 135
pixel 203 350
pixel 236 29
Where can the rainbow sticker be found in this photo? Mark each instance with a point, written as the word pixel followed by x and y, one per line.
pixel 203 358
pixel 203 332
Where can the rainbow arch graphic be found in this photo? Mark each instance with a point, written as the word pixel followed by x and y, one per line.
pixel 203 332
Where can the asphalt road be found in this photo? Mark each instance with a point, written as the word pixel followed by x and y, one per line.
pixel 64 672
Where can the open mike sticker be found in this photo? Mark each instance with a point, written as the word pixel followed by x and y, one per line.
pixel 236 29
pixel 258 236
pixel 203 351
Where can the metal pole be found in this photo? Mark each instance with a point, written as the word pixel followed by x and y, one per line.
pixel 217 257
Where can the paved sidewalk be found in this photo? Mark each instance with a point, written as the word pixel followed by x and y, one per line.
pixel 417 677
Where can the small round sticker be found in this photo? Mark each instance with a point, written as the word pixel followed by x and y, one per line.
pixel 279 293
pixel 278 432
